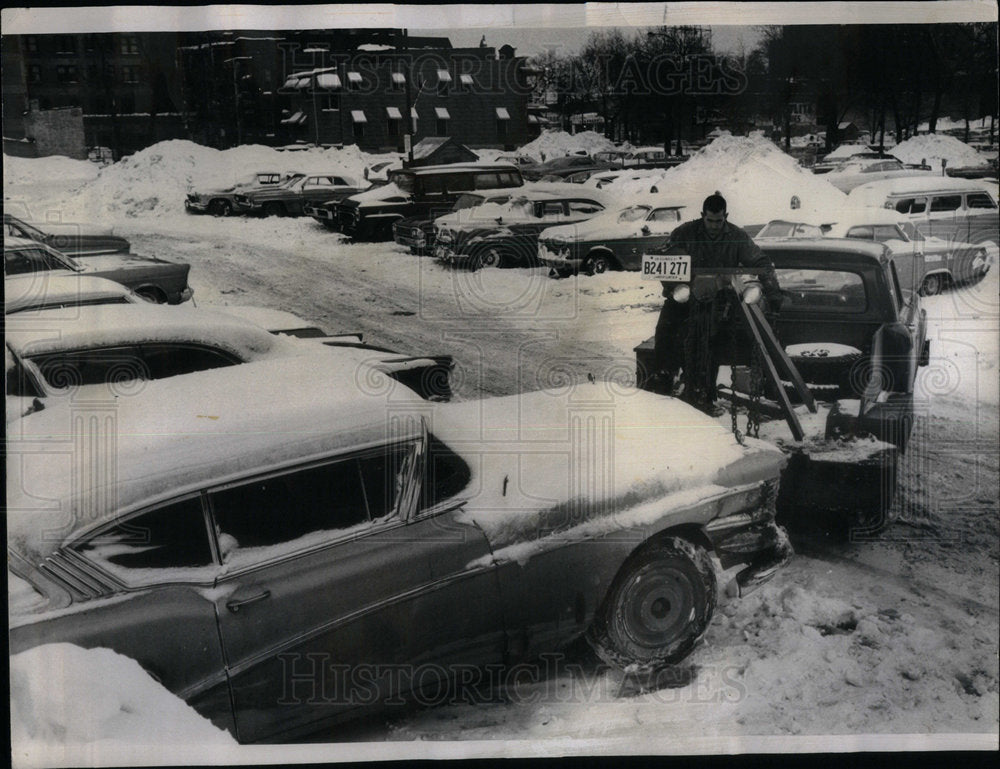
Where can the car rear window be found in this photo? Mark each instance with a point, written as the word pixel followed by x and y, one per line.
pixel 834 291
pixel 154 544
pixel 26 260
pixel 979 200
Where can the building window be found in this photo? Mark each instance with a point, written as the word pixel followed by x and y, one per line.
pixel 503 118
pixel 442 120
pixel 34 73
pixel 332 102
pixel 465 82
pixel 31 44
pixel 395 117
pixel 65 44
pixel 130 73
pixel 354 81
pixel 397 81
pixel 130 44
pixel 126 104
pixel 358 118
pixel 66 73
pixel 444 82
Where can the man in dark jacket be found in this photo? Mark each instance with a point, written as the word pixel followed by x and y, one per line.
pixel 688 333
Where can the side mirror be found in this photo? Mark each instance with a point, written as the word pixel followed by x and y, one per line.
pixel 645 229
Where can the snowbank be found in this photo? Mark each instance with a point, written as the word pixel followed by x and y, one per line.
pixel 933 148
pixel 47 169
pixel 61 694
pixel 555 144
pixel 755 176
pixel 155 181
pixel 845 151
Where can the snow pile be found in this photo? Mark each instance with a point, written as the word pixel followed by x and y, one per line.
pixel 756 177
pixel 556 144
pixel 64 695
pixel 47 169
pixel 933 148
pixel 156 180
pixel 947 124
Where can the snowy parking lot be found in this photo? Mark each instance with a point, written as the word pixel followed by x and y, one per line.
pixel 897 635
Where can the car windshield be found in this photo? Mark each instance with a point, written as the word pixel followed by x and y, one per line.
pixel 467 200
pixel 911 231
pixel 781 229
pixel 402 180
pixel 821 290
pixel 633 213
pixel 665 215
pixel 292 180
pixel 18 229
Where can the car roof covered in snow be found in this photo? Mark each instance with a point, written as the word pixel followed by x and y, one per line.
pixel 57 288
pixel 843 218
pixel 177 435
pixel 481 167
pixel 827 252
pixel 116 325
pixel 915 185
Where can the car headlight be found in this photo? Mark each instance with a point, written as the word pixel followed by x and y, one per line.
pixel 420 238
pixel 681 293
pixel 752 293
pixel 445 236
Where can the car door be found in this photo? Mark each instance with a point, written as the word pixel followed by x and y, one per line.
pixel 908 255
pixel 943 215
pixel 332 602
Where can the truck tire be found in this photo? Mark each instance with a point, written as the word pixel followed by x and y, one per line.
pixel 658 608
pixel 823 363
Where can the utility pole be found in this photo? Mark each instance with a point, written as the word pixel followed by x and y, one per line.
pixel 408 114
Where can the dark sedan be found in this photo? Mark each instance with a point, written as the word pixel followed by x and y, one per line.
pixel 154 279
pixel 289 198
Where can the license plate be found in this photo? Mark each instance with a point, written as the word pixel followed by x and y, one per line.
pixel 675 268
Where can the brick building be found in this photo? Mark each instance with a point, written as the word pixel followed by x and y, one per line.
pixel 341 86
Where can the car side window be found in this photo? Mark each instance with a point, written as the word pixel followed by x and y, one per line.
pixel 665 215
pixel 432 185
pixel 125 363
pixel 946 203
pixel 509 179
pixel 318 181
pixel 552 209
pixel 26 260
pixel 584 207
pixel 911 205
pixel 884 232
pixel 446 475
pixel 979 200
pixel 863 232
pixel 633 213
pixel 488 181
pixel 168 543
pixel 268 517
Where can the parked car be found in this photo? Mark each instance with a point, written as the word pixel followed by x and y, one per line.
pixel 379 171
pixel 411 192
pixel 847 323
pixel 51 355
pixel 222 201
pixel 152 278
pixel 573 174
pixel 61 290
pixel 558 165
pixel 956 210
pixel 289 199
pixel 856 171
pixel 924 264
pixel 613 240
pixel 518 161
pixel 74 239
pixel 281 561
pixel 506 235
pixel 417 232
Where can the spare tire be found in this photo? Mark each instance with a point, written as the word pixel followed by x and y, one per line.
pixel 823 362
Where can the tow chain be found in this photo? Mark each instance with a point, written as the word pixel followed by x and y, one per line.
pixel 756 391
pixel 733 412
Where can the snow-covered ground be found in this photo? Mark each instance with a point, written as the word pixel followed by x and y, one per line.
pixel 892 637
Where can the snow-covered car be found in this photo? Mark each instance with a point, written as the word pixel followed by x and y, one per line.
pixel 283 548
pixel 51 356
pixel 574 174
pixel 493 235
pixel 74 239
pixel 417 232
pixel 379 171
pixel 851 173
pixel 152 278
pixel 925 264
pixel 956 210
pixel 57 289
pixel 289 198
pixel 613 240
pixel 370 215
pixel 561 166
pixel 222 201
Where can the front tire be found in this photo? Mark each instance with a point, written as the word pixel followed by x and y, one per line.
pixel 220 208
pixel 597 264
pixel 658 607
pixel 486 257
pixel 932 285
